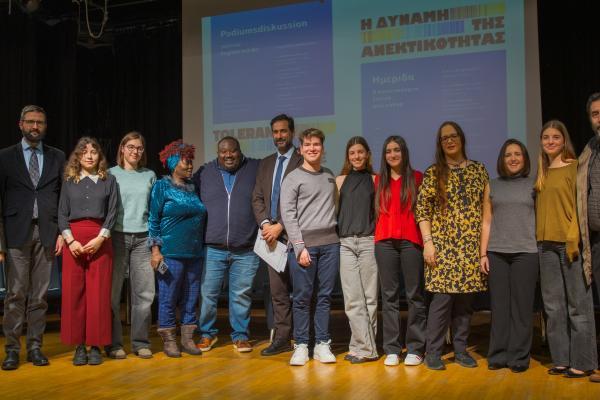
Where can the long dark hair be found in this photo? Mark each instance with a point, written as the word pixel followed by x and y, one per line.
pixel 408 196
pixel 347 165
pixel 441 166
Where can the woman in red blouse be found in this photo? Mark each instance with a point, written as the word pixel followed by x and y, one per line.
pixel 398 251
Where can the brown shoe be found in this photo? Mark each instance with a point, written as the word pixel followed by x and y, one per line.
pixel 595 377
pixel 187 340
pixel 206 343
pixel 242 346
pixel 169 341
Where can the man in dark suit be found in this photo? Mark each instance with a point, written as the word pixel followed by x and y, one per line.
pixel 265 202
pixel 30 182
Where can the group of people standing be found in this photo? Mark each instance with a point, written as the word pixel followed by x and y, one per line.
pixel 447 234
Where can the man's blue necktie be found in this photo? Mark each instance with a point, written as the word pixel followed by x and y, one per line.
pixel 276 188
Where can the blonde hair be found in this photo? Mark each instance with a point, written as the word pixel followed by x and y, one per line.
pixel 73 167
pixel 568 153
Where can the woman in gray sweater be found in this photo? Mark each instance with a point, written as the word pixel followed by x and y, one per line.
pixel 511 261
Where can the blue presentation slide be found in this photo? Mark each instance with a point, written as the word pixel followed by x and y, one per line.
pixel 375 69
pixel 273 59
pixel 422 92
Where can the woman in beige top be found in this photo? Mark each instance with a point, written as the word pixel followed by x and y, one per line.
pixel 567 298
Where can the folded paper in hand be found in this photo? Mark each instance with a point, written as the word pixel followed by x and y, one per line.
pixel 275 256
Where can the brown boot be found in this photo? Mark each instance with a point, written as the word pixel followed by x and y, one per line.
pixel 169 340
pixel 595 377
pixel 187 340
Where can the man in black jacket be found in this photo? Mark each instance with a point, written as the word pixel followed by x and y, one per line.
pixel 30 181
pixel 225 187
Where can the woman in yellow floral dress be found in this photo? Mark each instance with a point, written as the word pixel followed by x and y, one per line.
pixel 453 201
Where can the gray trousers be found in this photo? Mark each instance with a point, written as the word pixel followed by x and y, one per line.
pixel 512 281
pixel 397 261
pixel 445 309
pixel 569 306
pixel 358 273
pixel 28 270
pixel 595 243
pixel 132 257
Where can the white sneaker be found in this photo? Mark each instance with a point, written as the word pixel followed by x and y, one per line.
pixel 300 356
pixel 391 360
pixel 413 360
pixel 322 352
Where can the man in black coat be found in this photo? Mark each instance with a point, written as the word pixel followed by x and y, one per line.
pixel 30 182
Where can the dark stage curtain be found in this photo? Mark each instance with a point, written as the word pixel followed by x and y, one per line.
pixel 569 63
pixel 38 66
pixel 133 84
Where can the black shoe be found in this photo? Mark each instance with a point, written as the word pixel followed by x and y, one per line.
pixel 11 361
pixel 276 347
pixel 80 357
pixel 94 356
pixel 495 366
pixel 348 357
pixel 361 360
pixel 519 368
pixel 435 363
pixel 465 360
pixel 37 358
pixel 558 370
pixel 571 374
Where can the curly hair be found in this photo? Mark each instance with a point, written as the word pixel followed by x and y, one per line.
pixel 73 167
pixel 177 148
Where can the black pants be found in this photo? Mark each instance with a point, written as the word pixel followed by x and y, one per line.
pixel 512 282
pixel 281 286
pixel 595 243
pixel 399 260
pixel 446 308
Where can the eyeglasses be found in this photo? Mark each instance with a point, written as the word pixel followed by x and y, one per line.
pixel 131 148
pixel 453 137
pixel 33 122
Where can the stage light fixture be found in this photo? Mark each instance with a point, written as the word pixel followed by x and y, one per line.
pixel 30 6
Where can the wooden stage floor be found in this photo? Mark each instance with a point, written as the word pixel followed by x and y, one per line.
pixel 223 373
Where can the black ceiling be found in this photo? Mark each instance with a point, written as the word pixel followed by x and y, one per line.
pixel 123 15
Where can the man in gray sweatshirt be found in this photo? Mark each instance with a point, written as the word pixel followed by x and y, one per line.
pixel 307 204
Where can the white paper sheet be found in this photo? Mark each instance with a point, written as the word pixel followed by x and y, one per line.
pixel 276 257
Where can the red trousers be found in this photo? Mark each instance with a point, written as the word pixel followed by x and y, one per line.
pixel 86 287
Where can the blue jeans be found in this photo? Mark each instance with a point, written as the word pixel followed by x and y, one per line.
pixel 178 286
pixel 321 276
pixel 241 266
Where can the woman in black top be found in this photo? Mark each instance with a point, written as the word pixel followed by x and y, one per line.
pixel 87 213
pixel 358 270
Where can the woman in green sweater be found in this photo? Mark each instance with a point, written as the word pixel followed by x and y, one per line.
pixel 567 298
pixel 131 253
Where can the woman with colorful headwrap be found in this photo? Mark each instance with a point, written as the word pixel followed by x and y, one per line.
pixel 175 231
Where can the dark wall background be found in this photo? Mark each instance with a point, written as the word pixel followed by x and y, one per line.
pixel 132 79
